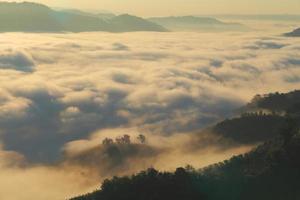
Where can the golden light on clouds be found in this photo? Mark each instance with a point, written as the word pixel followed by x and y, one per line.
pixel 61 106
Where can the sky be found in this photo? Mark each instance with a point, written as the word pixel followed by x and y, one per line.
pixel 182 7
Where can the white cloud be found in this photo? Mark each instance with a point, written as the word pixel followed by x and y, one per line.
pixel 16 61
pixel 78 85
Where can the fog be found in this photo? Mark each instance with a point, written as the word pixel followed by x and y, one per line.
pixel 61 95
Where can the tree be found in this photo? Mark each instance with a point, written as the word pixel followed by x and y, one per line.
pixel 180 172
pixel 190 168
pixel 256 98
pixel 142 139
pixel 125 139
pixel 289 130
pixel 107 141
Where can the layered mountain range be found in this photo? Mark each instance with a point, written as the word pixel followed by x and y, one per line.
pixel 33 17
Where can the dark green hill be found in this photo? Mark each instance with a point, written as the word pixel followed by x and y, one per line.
pixel 33 17
pixel 281 103
pixel 269 172
pixel 294 33
pixel 260 120
pixel 249 128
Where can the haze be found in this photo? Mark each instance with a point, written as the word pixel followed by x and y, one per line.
pixel 182 7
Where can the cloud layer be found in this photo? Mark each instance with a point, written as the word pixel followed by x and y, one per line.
pixel 61 94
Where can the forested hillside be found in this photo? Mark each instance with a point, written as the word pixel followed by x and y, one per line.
pixel 280 103
pixel 270 171
pixel 261 119
pixel 294 33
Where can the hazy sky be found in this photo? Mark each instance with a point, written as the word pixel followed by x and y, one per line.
pixel 179 7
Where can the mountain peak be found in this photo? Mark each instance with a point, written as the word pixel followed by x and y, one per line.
pixel 34 17
pixel 25 4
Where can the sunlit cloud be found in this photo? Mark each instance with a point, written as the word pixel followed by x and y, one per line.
pixel 61 95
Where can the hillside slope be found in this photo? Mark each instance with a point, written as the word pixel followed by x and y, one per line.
pixel 33 17
pixel 275 102
pixel 271 171
pixel 259 120
pixel 294 33
pixel 129 23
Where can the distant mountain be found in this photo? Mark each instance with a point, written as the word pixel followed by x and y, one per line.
pixel 295 33
pixel 132 23
pixel 186 23
pixel 260 17
pixel 104 15
pixel 33 17
pixel 270 171
pixel 78 12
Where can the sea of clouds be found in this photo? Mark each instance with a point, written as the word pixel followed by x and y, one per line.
pixel 62 94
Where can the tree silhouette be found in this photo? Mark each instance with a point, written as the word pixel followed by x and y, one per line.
pixel 107 141
pixel 141 138
pixel 125 139
pixel 289 129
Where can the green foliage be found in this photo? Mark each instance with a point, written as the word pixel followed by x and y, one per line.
pixel 277 102
pixel 261 119
pixel 150 185
pixel 271 171
pixel 250 128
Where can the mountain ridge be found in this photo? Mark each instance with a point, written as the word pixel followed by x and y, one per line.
pixel 34 17
pixel 191 23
